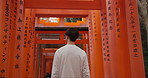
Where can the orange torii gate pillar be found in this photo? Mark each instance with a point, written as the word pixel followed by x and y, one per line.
pixel 122 55
pixel 115 44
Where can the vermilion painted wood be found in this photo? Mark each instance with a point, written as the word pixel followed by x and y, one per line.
pixel 121 45
pixel 96 54
pixel 62 4
pixel 26 53
pixel 111 33
pixel 61 13
pixel 85 41
pixel 31 45
pixel 4 37
pixel 19 41
pixel 61 40
pixel 134 39
pixel 105 41
pixel 60 32
pixel 122 48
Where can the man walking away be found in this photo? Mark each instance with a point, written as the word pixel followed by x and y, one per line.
pixel 70 61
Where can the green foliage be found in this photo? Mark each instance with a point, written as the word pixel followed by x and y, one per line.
pixel 72 19
pixel 144 45
pixel 144 42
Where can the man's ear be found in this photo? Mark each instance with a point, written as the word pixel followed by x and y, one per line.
pixel 66 37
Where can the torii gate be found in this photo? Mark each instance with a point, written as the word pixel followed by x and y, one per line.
pixel 121 54
pixel 114 36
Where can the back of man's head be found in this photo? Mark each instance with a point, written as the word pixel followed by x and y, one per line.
pixel 47 73
pixel 72 33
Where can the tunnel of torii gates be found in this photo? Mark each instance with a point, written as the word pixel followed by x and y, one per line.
pixel 112 40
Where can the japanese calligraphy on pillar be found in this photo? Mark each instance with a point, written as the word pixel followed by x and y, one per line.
pixel 27 42
pixel 111 28
pixel 30 54
pixel 25 31
pixel 90 43
pixel 12 32
pixel 110 14
pixel 97 44
pixel 110 9
pixel 117 9
pixel 133 28
pixel 135 47
pixel 105 42
pixel 5 38
pixel 19 31
pixel 25 63
pixel 28 64
pixel 32 43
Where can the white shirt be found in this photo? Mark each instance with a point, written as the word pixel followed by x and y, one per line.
pixel 70 62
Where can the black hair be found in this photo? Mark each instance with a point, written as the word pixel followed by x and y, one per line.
pixel 47 73
pixel 72 33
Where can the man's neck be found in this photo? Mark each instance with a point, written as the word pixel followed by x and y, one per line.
pixel 71 43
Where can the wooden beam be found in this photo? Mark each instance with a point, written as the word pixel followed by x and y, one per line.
pixel 49 50
pixel 63 4
pixel 57 32
pixel 85 41
pixel 61 13
pixel 59 29
pixel 49 57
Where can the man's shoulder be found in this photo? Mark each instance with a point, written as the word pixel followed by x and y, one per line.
pixel 61 48
pixel 58 51
pixel 80 49
pixel 83 53
pixel 65 47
